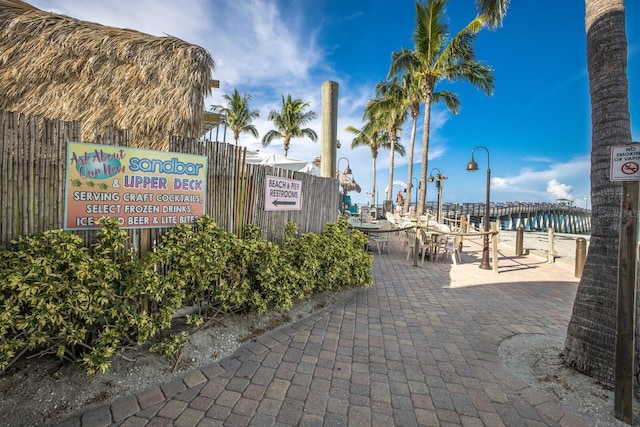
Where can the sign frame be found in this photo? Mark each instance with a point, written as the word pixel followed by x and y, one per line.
pixel 625 163
pixel 282 194
pixel 141 188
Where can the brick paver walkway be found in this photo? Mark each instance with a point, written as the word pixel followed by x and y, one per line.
pixel 419 348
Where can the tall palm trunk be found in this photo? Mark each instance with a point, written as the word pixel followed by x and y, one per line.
pixel 414 125
pixel 391 163
pixel 374 190
pixel 425 152
pixel 590 342
pixel 286 146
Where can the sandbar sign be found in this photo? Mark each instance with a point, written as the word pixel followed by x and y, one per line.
pixel 625 163
pixel 282 194
pixel 141 188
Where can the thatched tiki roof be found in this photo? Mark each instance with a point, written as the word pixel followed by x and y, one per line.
pixel 346 182
pixel 63 68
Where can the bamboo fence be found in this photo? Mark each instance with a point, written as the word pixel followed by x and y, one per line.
pixel 33 171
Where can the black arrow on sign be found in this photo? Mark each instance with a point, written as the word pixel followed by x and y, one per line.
pixel 279 202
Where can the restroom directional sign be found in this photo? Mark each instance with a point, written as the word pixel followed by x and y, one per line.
pixel 282 194
pixel 625 163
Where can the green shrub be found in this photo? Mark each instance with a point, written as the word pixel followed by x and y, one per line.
pixel 203 262
pixel 87 304
pixel 171 346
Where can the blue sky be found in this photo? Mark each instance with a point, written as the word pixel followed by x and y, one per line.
pixel 536 125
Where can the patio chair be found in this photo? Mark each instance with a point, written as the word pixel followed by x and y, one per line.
pixel 451 248
pixel 390 217
pixel 423 243
pixel 354 221
pixel 440 240
pixel 403 224
pixel 381 239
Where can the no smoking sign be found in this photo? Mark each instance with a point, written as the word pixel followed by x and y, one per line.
pixel 625 163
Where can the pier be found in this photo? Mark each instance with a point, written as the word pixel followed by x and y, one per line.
pixel 529 216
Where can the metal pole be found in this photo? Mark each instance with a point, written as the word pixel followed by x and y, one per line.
pixel 440 198
pixel 473 166
pixel 438 210
pixel 484 264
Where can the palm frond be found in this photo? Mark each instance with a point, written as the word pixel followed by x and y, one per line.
pixel 493 11
pixel 449 98
pixel 431 29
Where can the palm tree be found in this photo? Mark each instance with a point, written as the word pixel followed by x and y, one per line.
pixel 389 111
pixel 413 98
pixel 589 346
pixel 493 11
pixel 435 59
pixel 590 342
pixel 289 122
pixel 374 138
pixel 238 116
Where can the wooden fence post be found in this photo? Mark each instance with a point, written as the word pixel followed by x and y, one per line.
pixel 494 245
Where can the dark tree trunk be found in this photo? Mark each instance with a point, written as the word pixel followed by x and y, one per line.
pixel 590 343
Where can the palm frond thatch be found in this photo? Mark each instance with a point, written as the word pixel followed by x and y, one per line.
pixel 347 183
pixel 60 67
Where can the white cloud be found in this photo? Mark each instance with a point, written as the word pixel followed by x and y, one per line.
pixel 556 190
pixel 252 42
pixel 547 184
pixel 437 142
pixel 255 44
pixel 158 18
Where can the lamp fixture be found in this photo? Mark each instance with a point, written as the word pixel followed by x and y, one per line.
pixel 473 166
pixel 347 170
pixel 438 178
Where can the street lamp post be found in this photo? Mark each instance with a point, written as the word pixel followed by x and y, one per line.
pixel 417 188
pixel 439 180
pixel 473 166
pixel 347 170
